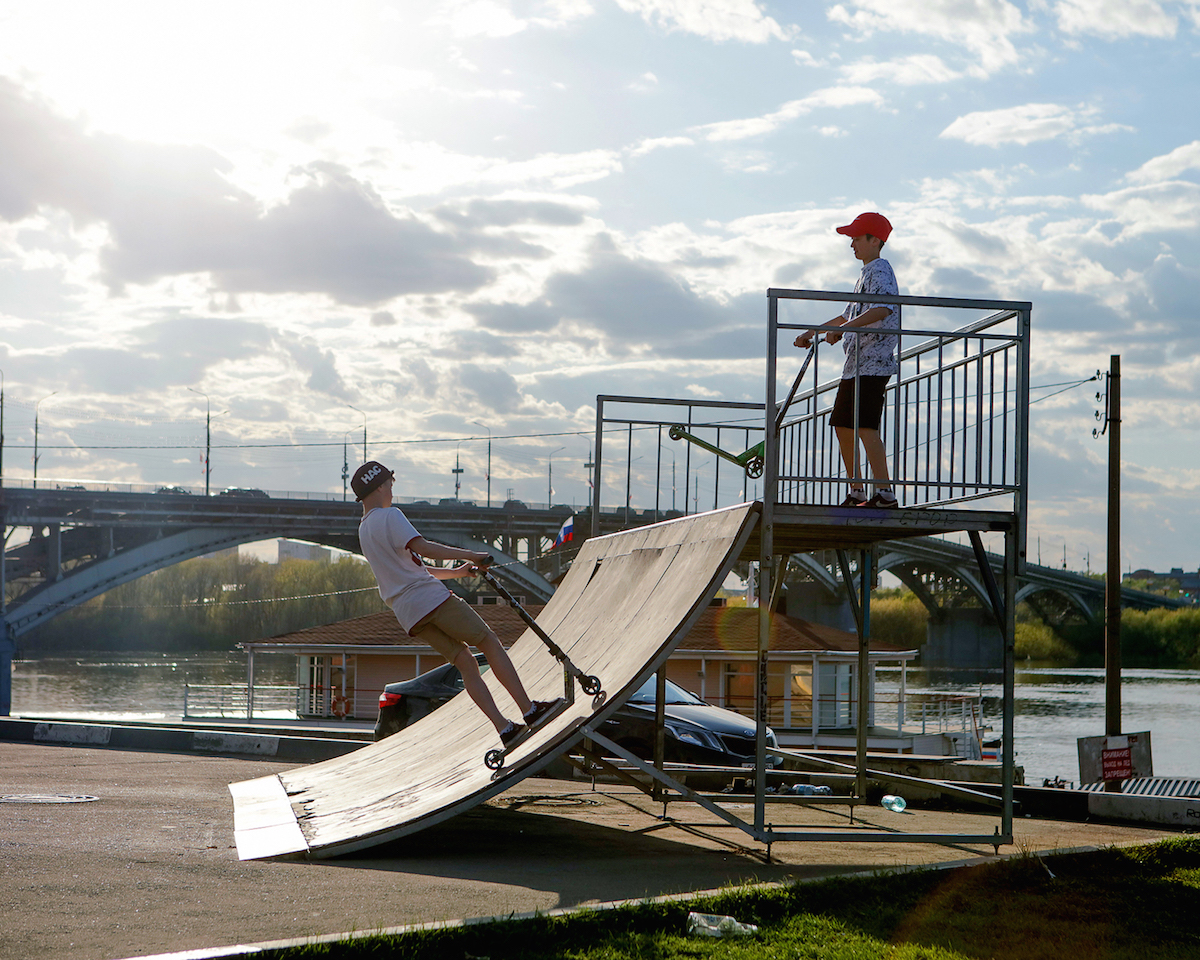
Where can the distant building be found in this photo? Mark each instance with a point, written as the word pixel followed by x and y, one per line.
pixel 298 550
pixel 1189 583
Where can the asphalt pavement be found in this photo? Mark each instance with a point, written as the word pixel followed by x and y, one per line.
pixel 149 867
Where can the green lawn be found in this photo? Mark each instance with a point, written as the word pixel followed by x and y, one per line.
pixel 1136 903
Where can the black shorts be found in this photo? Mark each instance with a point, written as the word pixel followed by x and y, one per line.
pixel 871 392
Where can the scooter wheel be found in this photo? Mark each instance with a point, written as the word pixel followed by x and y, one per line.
pixel 493 759
pixel 675 432
pixel 754 469
pixel 590 685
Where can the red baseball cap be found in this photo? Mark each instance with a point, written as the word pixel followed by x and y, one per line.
pixel 876 224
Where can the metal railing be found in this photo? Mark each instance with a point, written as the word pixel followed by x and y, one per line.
pixel 232 700
pixel 955 421
pixel 955 417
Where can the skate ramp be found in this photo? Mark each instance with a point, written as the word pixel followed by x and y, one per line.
pixel 625 604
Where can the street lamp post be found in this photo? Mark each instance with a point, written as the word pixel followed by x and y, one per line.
pixel 364 416
pixel 36 412
pixel 345 463
pixel 207 437
pixel 489 465
pixel 550 477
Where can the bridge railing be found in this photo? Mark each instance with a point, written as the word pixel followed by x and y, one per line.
pixel 955 421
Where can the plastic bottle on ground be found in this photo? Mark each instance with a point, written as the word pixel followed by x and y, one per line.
pixel 893 803
pixel 715 925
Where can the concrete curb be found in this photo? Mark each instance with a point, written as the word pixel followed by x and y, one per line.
pixel 174 739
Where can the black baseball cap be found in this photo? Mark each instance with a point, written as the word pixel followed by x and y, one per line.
pixel 370 476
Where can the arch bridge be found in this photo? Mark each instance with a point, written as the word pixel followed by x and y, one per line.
pixel 946 576
pixel 82 542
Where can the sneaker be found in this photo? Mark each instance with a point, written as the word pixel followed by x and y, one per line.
pixel 511 732
pixel 539 709
pixel 881 501
pixel 854 498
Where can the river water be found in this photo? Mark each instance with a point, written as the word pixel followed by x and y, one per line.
pixel 1054 706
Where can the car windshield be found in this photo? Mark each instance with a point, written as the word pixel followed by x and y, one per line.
pixel 675 694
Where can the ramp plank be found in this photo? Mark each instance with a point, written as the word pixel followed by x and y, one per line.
pixel 625 604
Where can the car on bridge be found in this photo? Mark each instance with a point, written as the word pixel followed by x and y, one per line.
pixel 244 492
pixel 695 731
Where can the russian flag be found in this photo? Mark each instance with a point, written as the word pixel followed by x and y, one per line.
pixel 566 533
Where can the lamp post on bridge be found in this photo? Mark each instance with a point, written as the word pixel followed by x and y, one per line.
pixel 364 416
pixel 550 477
pixel 489 465
pixel 36 413
pixel 207 437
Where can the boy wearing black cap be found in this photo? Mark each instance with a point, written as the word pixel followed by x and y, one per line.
pixel 870 356
pixel 425 607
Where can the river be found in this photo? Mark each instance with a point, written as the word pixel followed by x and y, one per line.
pixel 1054 706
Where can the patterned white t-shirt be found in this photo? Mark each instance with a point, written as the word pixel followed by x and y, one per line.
pixel 876 350
pixel 404 583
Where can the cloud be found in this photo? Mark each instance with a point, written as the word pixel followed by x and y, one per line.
pixel 755 126
pixel 1114 19
pixel 627 301
pixel 164 353
pixel 1157 208
pixel 1168 166
pixel 651 144
pixel 320 365
pixel 480 213
pixel 171 210
pixel 495 389
pixel 984 28
pixel 912 70
pixel 718 20
pixel 1026 124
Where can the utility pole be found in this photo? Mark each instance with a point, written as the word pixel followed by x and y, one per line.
pixel 1 443
pixel 457 471
pixel 1112 580
pixel 1112 590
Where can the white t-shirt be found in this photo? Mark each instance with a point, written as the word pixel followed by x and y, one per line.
pixel 404 584
pixel 872 352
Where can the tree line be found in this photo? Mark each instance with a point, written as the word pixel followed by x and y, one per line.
pixel 1159 638
pixel 212 603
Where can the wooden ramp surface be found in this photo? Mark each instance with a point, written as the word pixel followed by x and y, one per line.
pixel 628 599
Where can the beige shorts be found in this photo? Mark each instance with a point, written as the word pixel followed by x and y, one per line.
pixel 451 627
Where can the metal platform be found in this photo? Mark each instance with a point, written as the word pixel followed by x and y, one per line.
pixel 627 601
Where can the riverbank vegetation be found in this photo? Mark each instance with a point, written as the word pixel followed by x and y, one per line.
pixel 213 603
pixel 1127 904
pixel 1160 638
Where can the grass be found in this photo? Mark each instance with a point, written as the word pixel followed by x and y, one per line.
pixel 1119 904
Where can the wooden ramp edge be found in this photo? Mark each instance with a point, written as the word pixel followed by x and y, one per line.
pixel 627 601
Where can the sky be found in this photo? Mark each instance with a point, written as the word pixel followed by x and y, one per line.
pixel 456 220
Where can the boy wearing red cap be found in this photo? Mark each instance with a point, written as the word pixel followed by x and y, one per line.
pixel 870 359
pixel 423 605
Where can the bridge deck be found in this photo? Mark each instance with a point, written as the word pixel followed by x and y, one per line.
pixel 626 602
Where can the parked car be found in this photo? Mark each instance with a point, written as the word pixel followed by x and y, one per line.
pixel 178 491
pixel 244 492
pixel 696 731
